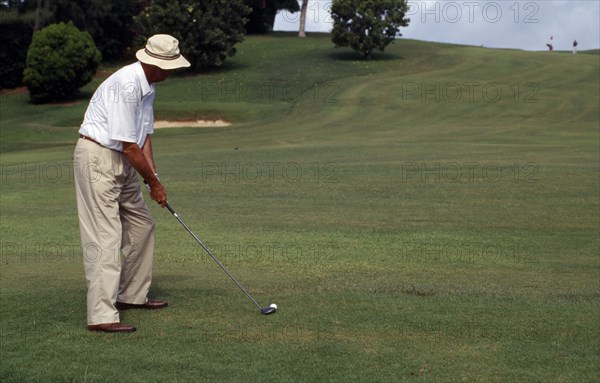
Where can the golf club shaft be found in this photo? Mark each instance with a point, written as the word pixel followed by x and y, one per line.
pixel 212 256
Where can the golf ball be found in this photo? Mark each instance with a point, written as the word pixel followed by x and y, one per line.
pixel 273 305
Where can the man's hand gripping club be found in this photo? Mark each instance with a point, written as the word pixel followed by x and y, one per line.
pixel 145 168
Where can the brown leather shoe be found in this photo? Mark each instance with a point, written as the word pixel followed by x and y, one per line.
pixel 150 305
pixel 111 327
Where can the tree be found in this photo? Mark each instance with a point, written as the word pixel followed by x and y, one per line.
pixel 107 21
pixel 15 37
pixel 60 60
pixel 262 16
pixel 365 25
pixel 207 30
pixel 303 10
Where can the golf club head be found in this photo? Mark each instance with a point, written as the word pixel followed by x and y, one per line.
pixel 268 310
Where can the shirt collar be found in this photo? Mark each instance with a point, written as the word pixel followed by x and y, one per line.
pixel 139 71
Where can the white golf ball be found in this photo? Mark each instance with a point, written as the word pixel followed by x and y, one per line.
pixel 273 305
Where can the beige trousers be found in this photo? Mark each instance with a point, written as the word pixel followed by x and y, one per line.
pixel 113 218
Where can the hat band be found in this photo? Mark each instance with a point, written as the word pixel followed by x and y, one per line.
pixel 161 57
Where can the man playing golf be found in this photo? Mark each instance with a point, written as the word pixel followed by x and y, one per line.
pixel 114 146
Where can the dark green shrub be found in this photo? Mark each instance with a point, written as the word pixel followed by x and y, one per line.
pixel 60 60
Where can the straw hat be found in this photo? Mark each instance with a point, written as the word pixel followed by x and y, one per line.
pixel 163 52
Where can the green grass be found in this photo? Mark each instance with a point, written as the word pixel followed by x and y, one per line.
pixel 387 264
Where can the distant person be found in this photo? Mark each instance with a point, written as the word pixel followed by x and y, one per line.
pixel 575 47
pixel 114 147
pixel 550 47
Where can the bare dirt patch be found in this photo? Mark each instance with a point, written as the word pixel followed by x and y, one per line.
pixel 191 124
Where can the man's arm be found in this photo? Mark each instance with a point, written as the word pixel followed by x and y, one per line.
pixel 139 161
pixel 147 150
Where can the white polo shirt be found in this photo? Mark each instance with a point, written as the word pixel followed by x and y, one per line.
pixel 121 109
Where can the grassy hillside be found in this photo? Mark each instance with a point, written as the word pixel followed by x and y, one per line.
pixel 431 215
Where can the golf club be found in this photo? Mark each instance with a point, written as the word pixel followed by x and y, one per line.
pixel 263 310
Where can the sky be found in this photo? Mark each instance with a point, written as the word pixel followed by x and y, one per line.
pixel 517 24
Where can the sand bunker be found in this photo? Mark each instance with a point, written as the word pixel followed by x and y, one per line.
pixel 191 124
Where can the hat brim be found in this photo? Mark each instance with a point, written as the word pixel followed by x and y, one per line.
pixel 179 62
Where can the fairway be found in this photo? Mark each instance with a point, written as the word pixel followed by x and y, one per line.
pixel 428 216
